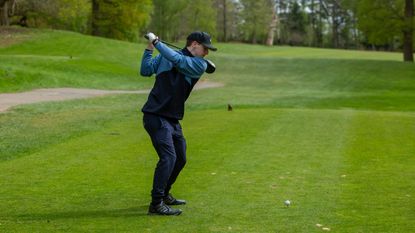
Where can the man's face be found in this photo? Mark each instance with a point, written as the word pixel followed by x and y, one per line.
pixel 198 50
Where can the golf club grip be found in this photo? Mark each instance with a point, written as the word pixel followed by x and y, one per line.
pixel 145 36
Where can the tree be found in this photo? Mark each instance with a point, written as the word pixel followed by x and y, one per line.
pixel 40 14
pixel 350 6
pixel 199 15
pixel 222 5
pixel 296 24
pixel 227 19
pixel 341 20
pixel 256 15
pixel 322 16
pixel 63 14
pixel 74 15
pixel 313 22
pixel 119 19
pixel 175 19
pixel 384 21
pixel 6 10
pixel 336 18
pixel 408 31
pixel 273 24
pixel 165 18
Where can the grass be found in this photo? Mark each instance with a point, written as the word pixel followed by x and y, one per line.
pixel 331 130
pixel 72 60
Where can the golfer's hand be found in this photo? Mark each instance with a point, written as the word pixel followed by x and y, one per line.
pixel 151 37
pixel 150 46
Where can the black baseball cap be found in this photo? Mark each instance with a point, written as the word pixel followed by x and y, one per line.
pixel 202 38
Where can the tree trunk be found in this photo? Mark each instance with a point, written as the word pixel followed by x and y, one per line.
pixel 320 24
pixel 7 9
pixel 95 18
pixel 254 39
pixel 272 26
pixel 408 31
pixel 225 36
pixel 313 24
pixel 335 30
pixel 4 14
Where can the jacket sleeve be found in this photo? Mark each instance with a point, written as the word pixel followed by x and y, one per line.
pixel 149 65
pixel 192 67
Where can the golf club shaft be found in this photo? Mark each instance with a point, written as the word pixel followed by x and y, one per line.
pixel 171 45
pixel 167 43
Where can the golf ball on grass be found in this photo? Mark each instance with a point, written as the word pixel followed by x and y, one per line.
pixel 287 203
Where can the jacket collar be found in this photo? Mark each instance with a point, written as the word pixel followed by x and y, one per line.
pixel 186 52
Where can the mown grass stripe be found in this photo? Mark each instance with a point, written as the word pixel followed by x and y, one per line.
pixel 378 189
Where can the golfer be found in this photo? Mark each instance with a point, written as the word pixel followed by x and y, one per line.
pixel 177 72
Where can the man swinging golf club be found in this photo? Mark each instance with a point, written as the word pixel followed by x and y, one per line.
pixel 177 72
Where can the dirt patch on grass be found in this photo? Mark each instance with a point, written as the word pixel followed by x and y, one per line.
pixel 13 35
pixel 13 30
pixel 59 94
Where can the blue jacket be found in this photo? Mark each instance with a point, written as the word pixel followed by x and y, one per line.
pixel 177 72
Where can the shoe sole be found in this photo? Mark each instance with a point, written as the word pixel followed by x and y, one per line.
pixel 176 203
pixel 152 214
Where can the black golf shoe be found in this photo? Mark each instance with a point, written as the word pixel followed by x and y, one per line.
pixel 163 209
pixel 170 200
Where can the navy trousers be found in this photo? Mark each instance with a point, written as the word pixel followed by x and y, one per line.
pixel 170 144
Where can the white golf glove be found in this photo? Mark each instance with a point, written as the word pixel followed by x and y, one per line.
pixel 151 38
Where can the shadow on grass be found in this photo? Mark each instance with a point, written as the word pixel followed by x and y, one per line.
pixel 117 213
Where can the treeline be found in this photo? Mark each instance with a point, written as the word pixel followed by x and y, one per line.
pixel 358 24
pixel 119 19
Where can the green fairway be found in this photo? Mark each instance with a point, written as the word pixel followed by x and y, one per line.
pixel 333 131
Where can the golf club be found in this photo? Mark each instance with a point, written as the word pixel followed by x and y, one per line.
pixel 210 65
pixel 164 42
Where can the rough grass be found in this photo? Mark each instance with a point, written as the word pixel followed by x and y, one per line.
pixel 331 130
